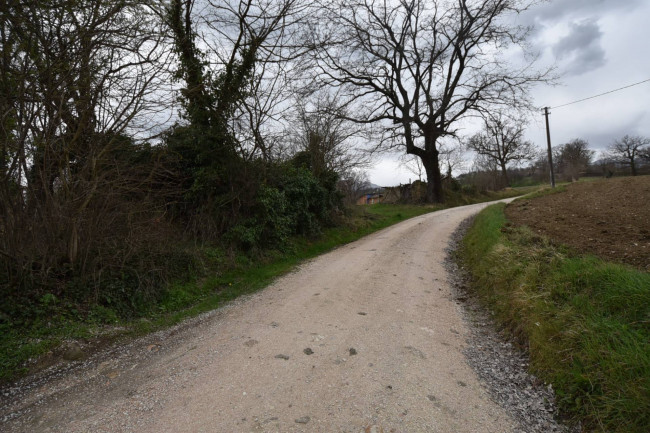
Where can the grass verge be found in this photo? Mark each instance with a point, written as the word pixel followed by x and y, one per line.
pixel 585 322
pixel 24 349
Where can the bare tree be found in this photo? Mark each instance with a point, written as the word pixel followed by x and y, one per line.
pixel 264 112
pixel 267 106
pixel 78 77
pixel 644 154
pixel 539 165
pixel 234 58
pixel 572 158
pixel 419 66
pixel 484 174
pixel 451 156
pixel 628 150
pixel 502 140
pixel 322 130
pixel 352 184
pixel 413 164
pixel 228 51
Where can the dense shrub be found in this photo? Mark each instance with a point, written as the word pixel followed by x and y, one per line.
pixel 469 189
pixel 291 202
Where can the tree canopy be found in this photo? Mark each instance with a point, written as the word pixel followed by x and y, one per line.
pixel 629 149
pixel 502 140
pixel 418 67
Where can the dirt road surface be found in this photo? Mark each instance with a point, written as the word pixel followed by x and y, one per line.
pixel 366 338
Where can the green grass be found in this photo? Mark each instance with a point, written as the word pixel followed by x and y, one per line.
pixel 225 277
pixel 459 198
pixel 548 191
pixel 585 322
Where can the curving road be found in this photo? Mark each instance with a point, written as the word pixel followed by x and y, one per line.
pixel 365 338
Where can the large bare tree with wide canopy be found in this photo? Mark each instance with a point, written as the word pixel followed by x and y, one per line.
pixel 417 67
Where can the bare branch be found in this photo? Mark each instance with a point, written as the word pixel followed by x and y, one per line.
pixel 422 66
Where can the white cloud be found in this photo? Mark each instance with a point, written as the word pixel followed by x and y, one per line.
pixel 388 172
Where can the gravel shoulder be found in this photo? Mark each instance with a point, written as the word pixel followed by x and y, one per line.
pixel 500 364
pixel 368 337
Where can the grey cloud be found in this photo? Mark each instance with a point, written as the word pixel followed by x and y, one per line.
pixel 548 12
pixel 580 51
pixel 600 141
pixel 566 9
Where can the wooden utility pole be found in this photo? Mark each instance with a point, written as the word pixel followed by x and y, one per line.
pixel 550 152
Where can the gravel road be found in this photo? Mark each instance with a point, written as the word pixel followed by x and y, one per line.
pixel 366 338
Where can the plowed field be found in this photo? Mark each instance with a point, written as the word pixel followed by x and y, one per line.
pixel 609 218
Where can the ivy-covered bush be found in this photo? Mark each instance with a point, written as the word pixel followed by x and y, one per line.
pixel 292 201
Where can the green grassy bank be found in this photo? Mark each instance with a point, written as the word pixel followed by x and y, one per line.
pixel 224 275
pixel 585 322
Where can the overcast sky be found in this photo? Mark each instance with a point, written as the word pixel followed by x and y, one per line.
pixel 597 46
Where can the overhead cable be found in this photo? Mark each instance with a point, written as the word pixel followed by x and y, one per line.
pixel 602 94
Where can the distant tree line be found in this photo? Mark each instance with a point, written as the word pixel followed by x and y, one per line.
pixel 629 155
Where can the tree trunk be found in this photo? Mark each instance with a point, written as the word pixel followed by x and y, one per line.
pixel 434 179
pixel 504 172
pixel 430 160
pixel 633 166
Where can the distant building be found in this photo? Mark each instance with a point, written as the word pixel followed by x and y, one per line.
pixel 371 198
pixel 372 194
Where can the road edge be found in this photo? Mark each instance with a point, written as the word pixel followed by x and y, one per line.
pixel 500 365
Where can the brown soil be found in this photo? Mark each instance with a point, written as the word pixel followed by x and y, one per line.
pixel 609 218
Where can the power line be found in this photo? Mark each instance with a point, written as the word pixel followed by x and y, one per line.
pixel 601 94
